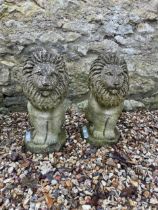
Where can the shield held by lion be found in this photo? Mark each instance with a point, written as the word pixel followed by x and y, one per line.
pixel 45 84
pixel 108 84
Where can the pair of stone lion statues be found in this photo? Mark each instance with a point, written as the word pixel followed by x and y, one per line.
pixel 45 84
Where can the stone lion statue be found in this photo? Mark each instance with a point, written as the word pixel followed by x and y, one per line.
pixel 45 84
pixel 108 84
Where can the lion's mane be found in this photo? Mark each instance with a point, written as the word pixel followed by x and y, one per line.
pixel 102 95
pixel 32 92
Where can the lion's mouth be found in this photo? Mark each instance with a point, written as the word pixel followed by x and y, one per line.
pixel 45 93
pixel 114 91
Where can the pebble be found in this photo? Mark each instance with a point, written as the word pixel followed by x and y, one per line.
pixel 134 183
pixel 10 169
pixel 58 178
pixel 86 207
pixel 154 201
pixel 1 201
pixel 146 194
pixel 156 189
pixel 103 183
pixel 110 162
pixel 132 203
pixel 54 182
pixel 88 192
pixel 70 183
pixel 1 185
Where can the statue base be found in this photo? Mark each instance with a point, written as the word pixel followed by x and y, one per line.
pixel 44 148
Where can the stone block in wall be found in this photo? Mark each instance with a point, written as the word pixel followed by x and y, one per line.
pixel 11 90
pixel 151 102
pixel 15 103
pixel 1 99
pixel 4 75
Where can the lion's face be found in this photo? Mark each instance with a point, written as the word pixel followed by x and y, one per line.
pixel 112 78
pixel 44 78
pixel 108 80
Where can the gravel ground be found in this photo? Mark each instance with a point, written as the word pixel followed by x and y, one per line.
pixel 124 176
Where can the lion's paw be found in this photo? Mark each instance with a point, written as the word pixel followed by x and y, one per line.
pixel 38 140
pixel 51 139
pixel 110 135
pixel 98 135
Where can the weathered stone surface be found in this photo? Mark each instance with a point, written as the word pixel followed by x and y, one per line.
pixel 41 3
pixel 80 30
pixel 145 28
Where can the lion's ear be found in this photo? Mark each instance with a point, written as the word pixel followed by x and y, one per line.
pixel 27 71
pixel 28 65
pixel 100 57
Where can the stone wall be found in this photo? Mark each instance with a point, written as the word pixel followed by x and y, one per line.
pixel 79 29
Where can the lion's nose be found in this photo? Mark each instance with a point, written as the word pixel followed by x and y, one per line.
pixel 45 82
pixel 116 83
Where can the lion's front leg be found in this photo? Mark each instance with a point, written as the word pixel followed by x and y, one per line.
pixel 54 126
pixel 103 129
pixel 40 132
pixel 40 124
pixel 46 132
pixel 97 130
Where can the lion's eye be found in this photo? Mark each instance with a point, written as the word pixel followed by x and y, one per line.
pixel 109 74
pixel 52 73
pixel 39 73
pixel 121 74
